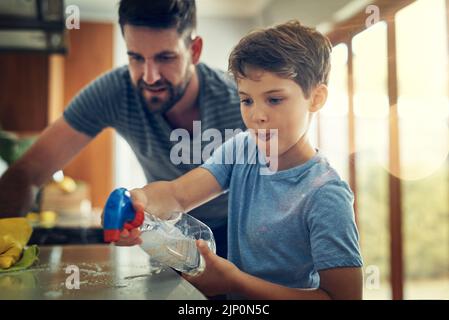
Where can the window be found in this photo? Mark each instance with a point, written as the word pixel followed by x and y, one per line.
pixel 423 109
pixel 334 115
pixel 402 206
pixel 371 109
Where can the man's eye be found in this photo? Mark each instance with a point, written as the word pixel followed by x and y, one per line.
pixel 275 100
pixel 246 102
pixel 166 58
pixel 137 58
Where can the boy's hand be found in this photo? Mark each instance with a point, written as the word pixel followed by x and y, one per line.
pixel 131 237
pixel 139 199
pixel 218 276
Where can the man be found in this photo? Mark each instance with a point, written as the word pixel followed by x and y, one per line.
pixel 163 88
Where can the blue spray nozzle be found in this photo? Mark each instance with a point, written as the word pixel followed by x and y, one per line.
pixel 118 214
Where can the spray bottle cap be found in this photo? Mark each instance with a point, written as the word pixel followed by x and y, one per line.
pixel 118 214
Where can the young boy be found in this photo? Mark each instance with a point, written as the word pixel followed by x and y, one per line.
pixel 291 232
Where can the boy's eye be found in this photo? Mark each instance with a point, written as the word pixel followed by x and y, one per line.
pixel 275 101
pixel 246 102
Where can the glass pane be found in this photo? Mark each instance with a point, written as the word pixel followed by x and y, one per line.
pixel 128 172
pixel 334 114
pixel 371 108
pixel 423 109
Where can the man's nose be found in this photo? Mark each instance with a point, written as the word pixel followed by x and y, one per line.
pixel 151 73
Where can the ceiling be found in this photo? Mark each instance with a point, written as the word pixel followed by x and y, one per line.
pixel 316 11
pixel 205 8
pixel 234 8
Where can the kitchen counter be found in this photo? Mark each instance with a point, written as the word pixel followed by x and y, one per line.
pixel 105 272
pixel 70 229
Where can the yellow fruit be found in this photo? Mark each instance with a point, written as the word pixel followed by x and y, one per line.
pixel 33 217
pixel 48 218
pixel 67 185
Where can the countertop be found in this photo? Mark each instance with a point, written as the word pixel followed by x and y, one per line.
pixel 105 272
pixel 69 229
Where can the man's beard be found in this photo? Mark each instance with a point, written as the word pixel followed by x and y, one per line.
pixel 174 93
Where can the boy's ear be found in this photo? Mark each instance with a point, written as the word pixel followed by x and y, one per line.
pixel 318 97
pixel 196 48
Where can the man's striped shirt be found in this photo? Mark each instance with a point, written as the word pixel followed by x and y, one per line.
pixel 112 101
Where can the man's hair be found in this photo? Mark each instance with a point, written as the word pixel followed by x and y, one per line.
pixel 159 14
pixel 289 50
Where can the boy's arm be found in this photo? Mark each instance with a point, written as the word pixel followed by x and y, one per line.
pixel 223 277
pixel 337 284
pixel 162 198
pixel 180 195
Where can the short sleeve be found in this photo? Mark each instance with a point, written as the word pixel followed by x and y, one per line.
pixel 333 232
pixel 94 107
pixel 222 161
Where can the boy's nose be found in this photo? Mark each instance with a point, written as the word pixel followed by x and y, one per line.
pixel 259 115
pixel 151 73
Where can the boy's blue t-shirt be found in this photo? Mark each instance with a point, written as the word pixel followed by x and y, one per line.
pixel 287 226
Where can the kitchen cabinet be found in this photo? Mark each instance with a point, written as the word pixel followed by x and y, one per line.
pixel 35 89
pixel 31 87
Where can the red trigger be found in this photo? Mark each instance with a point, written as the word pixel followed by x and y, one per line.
pixel 138 219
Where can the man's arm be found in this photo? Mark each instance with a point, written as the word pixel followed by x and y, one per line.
pixel 56 146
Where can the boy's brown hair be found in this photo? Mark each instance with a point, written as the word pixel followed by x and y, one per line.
pixel 289 50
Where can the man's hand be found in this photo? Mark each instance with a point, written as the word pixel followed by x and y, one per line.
pixel 218 276
pixel 56 146
pixel 17 194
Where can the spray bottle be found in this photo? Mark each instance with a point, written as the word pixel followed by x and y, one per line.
pixel 170 242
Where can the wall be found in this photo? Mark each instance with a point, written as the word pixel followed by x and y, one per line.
pixel 310 13
pixel 220 35
pixel 91 54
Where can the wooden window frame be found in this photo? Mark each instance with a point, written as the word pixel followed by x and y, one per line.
pixel 344 33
